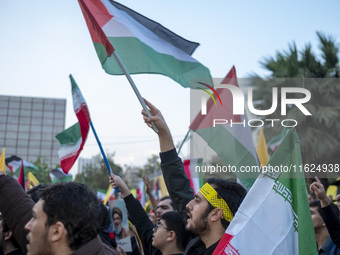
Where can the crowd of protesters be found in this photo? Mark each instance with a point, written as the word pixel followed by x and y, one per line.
pixel 68 218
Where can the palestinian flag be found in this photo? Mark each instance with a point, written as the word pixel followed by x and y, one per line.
pixel 57 175
pixel 72 140
pixel 14 164
pixel 143 45
pixel 274 218
pixel 233 144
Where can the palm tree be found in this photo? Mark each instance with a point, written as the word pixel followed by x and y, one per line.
pixel 320 133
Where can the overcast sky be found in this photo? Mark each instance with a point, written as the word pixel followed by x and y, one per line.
pixel 42 42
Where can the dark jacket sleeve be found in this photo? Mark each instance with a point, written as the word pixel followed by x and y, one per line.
pixel 142 222
pixel 332 222
pixel 16 208
pixel 177 182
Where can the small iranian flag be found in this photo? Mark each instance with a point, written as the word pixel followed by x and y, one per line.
pixel 143 45
pixel 274 218
pixel 233 144
pixel 72 140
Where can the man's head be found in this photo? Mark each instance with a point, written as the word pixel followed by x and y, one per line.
pixel 164 205
pixel 170 231
pixel 67 215
pixel 217 201
pixel 117 218
pixel 315 210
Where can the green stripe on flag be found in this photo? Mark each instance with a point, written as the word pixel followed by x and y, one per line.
pixel 294 181
pixel 144 59
pixel 69 136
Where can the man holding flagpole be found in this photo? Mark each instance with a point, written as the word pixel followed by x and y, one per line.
pixel 208 213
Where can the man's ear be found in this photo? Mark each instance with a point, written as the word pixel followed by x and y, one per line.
pixel 57 231
pixel 216 214
pixel 8 234
pixel 171 236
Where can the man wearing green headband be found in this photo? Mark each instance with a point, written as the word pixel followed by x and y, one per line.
pixel 208 213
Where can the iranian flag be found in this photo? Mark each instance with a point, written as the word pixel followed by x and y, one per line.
pixel 143 45
pixel 274 218
pixel 72 140
pixel 233 144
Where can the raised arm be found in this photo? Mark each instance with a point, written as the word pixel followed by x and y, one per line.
pixel 328 214
pixel 177 182
pixel 137 214
pixel 148 191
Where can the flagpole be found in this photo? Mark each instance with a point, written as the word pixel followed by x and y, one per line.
pixel 185 138
pixel 134 87
pixel 102 151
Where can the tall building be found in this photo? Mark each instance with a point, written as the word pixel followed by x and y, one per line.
pixel 28 127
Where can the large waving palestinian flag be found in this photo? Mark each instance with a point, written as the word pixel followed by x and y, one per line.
pixel 144 45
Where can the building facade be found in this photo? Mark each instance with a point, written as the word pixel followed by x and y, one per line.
pixel 28 127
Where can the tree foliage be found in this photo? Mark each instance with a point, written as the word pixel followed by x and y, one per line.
pixel 43 175
pixel 319 134
pixel 95 173
pixel 152 165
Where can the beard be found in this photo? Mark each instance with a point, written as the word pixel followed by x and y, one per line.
pixel 41 246
pixel 200 225
pixel 117 230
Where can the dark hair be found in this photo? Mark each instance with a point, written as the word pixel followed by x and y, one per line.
pixel 5 228
pixel 317 203
pixel 106 216
pixel 171 203
pixel 231 192
pixel 36 191
pixel 77 207
pixel 175 223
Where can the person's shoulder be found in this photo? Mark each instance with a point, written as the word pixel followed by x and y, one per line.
pixel 109 251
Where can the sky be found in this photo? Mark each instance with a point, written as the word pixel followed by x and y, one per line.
pixel 42 42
